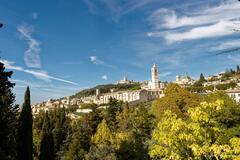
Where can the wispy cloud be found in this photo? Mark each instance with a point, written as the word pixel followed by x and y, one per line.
pixel 34 15
pixel 170 19
pixel 221 28
pixel 91 6
pixel 211 21
pixel 117 9
pixel 42 91
pixel 164 74
pixel 104 77
pixel 32 54
pixel 234 59
pixel 226 45
pixel 73 63
pixel 95 60
pixel 43 75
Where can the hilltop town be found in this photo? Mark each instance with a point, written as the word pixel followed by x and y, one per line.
pixel 132 92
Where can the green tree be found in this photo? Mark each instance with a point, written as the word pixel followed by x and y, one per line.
pixel 47 143
pixel 60 130
pixel 238 69
pixel 202 78
pixel 204 136
pixel 134 130
pixel 102 152
pixel 25 135
pixel 8 113
pixel 103 135
pixel 176 99
pixel 75 149
pixel 102 144
pixel 81 137
pixel 111 112
pixel 200 82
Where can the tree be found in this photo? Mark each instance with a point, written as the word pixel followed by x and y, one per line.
pixel 25 141
pixel 134 130
pixel 102 144
pixel 47 143
pixel 103 152
pixel 111 112
pixel 60 130
pixel 75 149
pixel 202 78
pixel 176 99
pixel 238 69
pixel 8 113
pixel 200 82
pixel 103 135
pixel 204 135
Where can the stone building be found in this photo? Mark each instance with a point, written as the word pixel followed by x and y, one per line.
pixel 184 81
pixel 153 90
pixel 125 81
pixel 234 94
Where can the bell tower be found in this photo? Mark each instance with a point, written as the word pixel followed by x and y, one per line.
pixel 155 82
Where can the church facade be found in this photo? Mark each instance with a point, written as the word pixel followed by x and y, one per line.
pixel 150 91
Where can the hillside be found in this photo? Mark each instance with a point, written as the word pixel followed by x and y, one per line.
pixel 106 88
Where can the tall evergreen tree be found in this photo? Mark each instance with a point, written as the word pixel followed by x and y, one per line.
pixel 202 78
pixel 8 112
pixel 111 112
pixel 238 68
pixel 47 144
pixel 25 141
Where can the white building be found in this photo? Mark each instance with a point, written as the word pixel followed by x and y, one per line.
pixel 154 83
pixel 184 80
pixel 234 94
pixel 125 81
pixel 153 90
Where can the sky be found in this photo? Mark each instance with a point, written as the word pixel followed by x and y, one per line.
pixel 60 47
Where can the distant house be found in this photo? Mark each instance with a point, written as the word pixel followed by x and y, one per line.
pixel 234 94
pixel 125 81
pixel 184 81
pixel 221 74
pixel 212 77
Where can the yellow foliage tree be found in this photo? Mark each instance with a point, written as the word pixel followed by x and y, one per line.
pixel 103 135
pixel 176 99
pixel 203 136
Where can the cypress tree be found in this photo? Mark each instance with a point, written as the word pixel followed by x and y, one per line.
pixel 238 68
pixel 47 144
pixel 202 78
pixel 8 112
pixel 25 143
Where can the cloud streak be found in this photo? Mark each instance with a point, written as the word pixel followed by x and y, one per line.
pixel 32 54
pixel 226 45
pixel 104 77
pixel 170 19
pixel 164 74
pixel 95 60
pixel 223 28
pixel 34 15
pixel 117 9
pixel 91 6
pixel 209 22
pixel 36 73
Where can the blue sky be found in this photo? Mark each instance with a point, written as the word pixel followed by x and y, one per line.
pixel 59 47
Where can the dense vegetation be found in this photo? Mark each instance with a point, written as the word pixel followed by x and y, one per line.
pixel 227 75
pixel 181 125
pixel 107 88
